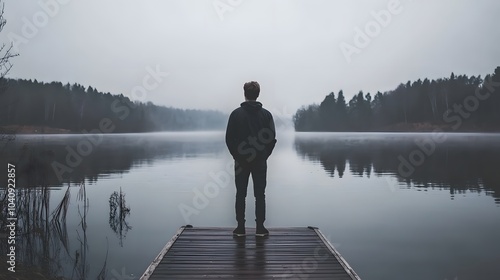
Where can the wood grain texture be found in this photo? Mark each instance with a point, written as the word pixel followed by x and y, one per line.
pixel 213 253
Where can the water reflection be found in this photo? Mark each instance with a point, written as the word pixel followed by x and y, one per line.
pixel 43 247
pixel 80 261
pixel 42 243
pixel 55 159
pixel 250 256
pixel 60 233
pixel 459 164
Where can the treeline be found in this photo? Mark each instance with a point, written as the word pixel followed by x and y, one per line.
pixel 454 103
pixel 79 109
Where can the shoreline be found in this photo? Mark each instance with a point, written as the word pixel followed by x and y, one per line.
pixel 423 128
pixel 32 129
pixel 9 130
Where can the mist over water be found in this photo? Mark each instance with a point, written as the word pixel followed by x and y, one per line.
pixel 437 219
pixel 100 199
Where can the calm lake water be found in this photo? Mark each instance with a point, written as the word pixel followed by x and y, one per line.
pixel 396 205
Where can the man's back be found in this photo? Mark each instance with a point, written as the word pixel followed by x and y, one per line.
pixel 250 138
pixel 250 132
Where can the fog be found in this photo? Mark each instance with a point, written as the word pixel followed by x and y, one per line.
pixel 197 54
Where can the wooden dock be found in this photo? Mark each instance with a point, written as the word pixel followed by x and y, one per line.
pixel 213 253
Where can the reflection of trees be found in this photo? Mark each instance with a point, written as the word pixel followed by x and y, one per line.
pixel 460 164
pixel 116 154
pixel 118 212
pixel 42 230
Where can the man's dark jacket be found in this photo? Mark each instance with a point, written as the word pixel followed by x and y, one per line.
pixel 250 133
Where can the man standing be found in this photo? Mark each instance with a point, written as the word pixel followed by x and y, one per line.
pixel 250 138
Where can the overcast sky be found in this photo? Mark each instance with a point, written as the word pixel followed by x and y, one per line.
pixel 296 49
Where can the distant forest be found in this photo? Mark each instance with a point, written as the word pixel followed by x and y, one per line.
pixel 74 108
pixel 457 103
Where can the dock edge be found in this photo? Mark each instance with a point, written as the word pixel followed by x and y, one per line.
pixel 336 254
pixel 151 268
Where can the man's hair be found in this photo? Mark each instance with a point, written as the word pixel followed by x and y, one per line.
pixel 252 90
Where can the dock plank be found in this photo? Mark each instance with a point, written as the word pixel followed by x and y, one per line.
pixel 213 253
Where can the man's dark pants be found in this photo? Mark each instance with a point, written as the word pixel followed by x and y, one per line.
pixel 258 169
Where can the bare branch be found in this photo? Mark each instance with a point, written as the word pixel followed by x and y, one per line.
pixel 6 50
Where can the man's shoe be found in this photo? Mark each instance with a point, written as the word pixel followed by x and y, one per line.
pixel 261 231
pixel 239 231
